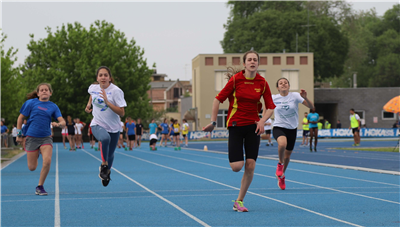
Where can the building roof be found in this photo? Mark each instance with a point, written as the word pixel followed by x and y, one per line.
pixel 161 84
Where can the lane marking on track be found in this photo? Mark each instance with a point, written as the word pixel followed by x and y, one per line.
pixel 297 182
pixel 57 221
pixel 324 174
pixel 315 163
pixel 175 196
pixel 229 186
pixel 157 195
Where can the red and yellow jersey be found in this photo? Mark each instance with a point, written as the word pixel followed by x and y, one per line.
pixel 244 96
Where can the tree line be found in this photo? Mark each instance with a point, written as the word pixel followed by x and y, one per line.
pixel 343 41
pixel 68 59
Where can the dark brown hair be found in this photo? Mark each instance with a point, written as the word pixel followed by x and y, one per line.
pixel 34 93
pixel 108 70
pixel 231 71
pixel 282 78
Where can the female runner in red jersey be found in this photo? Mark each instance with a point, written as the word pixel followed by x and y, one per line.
pixel 244 91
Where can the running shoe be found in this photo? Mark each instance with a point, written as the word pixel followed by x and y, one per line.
pixel 40 190
pixel 267 144
pixel 357 144
pixel 354 145
pixel 65 147
pixel 281 182
pixel 279 170
pixel 106 181
pixel 238 206
pixel 103 171
pixel 310 149
pixel 315 149
pixel 272 144
pixel 119 146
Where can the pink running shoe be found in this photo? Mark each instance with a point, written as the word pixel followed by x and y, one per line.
pixel 281 182
pixel 279 170
pixel 238 206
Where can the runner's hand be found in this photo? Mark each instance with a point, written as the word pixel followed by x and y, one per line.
pixel 260 128
pixel 87 109
pixel 303 93
pixel 208 128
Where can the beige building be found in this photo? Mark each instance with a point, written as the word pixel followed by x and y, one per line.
pixel 208 78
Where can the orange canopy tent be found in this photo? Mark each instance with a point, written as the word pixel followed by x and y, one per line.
pixel 393 105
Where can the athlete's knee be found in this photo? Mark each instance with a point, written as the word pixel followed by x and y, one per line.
pixel 250 165
pixel 32 167
pixel 236 167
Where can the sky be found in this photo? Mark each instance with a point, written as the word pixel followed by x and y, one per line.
pixel 171 32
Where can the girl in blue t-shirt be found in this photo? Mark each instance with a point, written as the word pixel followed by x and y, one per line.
pixel 164 132
pixel 37 130
pixel 313 118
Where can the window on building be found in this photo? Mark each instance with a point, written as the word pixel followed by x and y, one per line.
pixel 361 114
pixel 209 61
pixel 303 60
pixel 222 61
pixel 388 115
pixel 222 118
pixel 289 60
pixel 235 60
pixel 220 80
pixel 276 60
pixel 262 73
pixel 263 60
pixel 177 92
pixel 293 77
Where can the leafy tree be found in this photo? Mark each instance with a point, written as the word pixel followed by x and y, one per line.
pixel 69 57
pixel 374 49
pixel 272 28
pixel 11 86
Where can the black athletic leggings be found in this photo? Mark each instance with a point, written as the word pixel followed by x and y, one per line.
pixel 243 135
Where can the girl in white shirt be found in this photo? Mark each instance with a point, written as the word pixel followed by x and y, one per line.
pixel 108 106
pixel 285 124
pixel 78 133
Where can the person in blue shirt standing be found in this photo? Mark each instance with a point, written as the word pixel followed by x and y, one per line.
pixel 153 127
pixel 37 130
pixel 164 132
pixel 131 133
pixel 4 134
pixel 313 118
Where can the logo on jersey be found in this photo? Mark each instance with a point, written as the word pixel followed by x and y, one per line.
pixel 100 104
pixel 285 107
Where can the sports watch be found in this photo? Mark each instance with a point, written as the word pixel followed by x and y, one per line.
pixel 214 123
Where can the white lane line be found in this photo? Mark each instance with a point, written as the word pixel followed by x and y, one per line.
pixel 229 186
pixel 297 182
pixel 314 163
pixel 157 195
pixel 324 174
pixel 57 221
pixel 13 159
pixel 175 196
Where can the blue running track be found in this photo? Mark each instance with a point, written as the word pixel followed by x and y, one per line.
pixel 191 187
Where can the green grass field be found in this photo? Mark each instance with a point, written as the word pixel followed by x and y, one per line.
pixel 7 154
